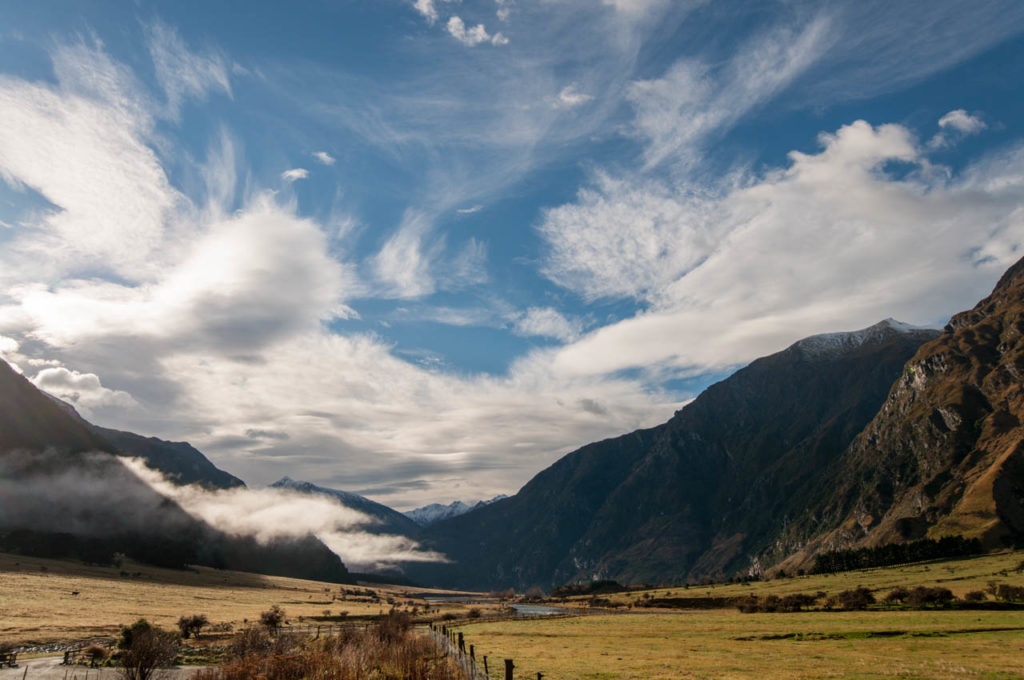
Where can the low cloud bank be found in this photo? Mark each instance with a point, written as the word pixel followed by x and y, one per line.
pixel 266 514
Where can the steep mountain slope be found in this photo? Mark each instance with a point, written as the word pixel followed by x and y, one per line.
pixel 945 454
pixel 180 462
pixel 435 512
pixel 64 493
pixel 30 419
pixel 694 497
pixel 387 520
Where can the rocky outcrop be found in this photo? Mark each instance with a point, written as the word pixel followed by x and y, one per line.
pixel 945 453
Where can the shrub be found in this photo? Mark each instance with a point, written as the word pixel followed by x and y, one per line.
pixel 393 626
pixel 272 619
pixel 148 648
pixel 189 626
pixel 858 598
pixel 96 654
pixel 128 633
pixel 1009 593
pixel 474 613
pixel 975 596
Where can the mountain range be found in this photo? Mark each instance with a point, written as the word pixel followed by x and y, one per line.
pixel 844 440
pixel 435 512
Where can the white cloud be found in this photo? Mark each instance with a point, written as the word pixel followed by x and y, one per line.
pixel 83 390
pixel 81 145
pixel 404 264
pixel 962 121
pixel 628 240
pixel 182 73
pixel 470 210
pixel 266 514
pixel 324 157
pixel 428 8
pixel 829 242
pixel 504 10
pixel 569 97
pixel 546 322
pixel 294 174
pixel 956 125
pixel 249 279
pixel 473 36
pixel 693 100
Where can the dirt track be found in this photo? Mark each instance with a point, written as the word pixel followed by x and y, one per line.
pixel 50 668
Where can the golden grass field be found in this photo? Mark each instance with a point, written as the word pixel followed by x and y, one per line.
pixel 724 643
pixel 37 605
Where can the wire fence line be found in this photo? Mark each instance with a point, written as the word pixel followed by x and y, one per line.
pixel 454 645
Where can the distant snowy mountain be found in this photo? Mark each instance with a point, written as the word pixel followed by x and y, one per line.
pixel 435 512
pixel 831 345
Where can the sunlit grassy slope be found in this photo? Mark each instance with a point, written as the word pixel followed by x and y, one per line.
pixel 960 576
pixel 37 604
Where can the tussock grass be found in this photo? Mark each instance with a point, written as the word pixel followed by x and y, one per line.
pixel 37 605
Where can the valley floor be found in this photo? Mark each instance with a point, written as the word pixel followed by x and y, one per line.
pixel 729 645
pixel 44 601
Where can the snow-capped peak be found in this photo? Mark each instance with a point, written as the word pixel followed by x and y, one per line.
pixel 831 344
pixel 435 512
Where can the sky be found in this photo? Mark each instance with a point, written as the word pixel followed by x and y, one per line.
pixel 420 249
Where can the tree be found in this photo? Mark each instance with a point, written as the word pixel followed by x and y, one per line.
pixel 858 598
pixel 272 618
pixel 146 648
pixel 192 625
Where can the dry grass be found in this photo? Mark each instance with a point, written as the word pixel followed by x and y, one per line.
pixel 727 644
pixel 37 605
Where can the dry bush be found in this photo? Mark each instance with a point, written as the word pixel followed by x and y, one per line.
pixel 148 650
pixel 388 650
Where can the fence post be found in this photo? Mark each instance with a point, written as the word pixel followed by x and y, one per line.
pixel 487 671
pixel 462 644
pixel 472 654
pixel 508 669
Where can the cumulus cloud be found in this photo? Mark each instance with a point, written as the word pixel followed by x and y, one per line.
pixel 956 125
pixel 294 174
pixel 546 322
pixel 83 390
pixel 324 157
pixel 962 121
pixel 473 36
pixel 271 513
pixel 249 279
pixel 828 242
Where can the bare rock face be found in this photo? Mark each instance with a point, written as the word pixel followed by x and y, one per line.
pixel 945 453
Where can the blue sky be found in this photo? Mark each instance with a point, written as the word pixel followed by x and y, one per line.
pixel 420 249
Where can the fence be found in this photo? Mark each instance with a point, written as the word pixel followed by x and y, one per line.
pixel 454 645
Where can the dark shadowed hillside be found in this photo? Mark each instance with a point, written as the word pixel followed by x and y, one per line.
pixel 695 497
pixel 64 493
